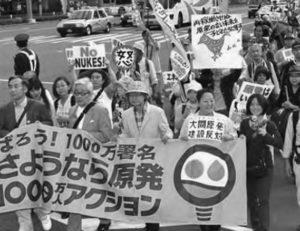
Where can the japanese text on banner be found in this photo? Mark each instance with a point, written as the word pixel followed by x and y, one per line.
pixel 133 180
pixel 216 41
pixel 205 127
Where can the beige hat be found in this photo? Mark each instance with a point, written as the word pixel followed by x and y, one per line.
pixel 137 86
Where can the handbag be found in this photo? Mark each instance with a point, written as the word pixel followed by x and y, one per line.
pixel 259 170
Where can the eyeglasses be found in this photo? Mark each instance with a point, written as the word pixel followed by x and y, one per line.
pixel 80 93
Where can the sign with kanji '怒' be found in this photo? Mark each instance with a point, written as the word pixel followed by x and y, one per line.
pixel 205 127
pixel 137 180
pixel 217 40
pixel 123 56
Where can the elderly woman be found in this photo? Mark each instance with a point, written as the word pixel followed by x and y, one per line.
pixel 144 120
pixel 91 117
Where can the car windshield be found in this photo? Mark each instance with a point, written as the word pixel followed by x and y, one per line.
pixel 81 15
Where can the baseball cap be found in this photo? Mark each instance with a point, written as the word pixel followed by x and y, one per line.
pixel 193 85
pixel 21 37
pixel 294 70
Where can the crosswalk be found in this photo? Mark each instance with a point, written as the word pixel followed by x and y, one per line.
pixel 126 35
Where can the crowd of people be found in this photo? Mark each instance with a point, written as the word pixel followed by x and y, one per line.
pixel 110 104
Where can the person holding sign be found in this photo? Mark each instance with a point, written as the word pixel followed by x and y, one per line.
pixel 91 117
pixel 191 106
pixel 258 60
pixel 206 104
pixel 144 120
pixel 20 112
pixel 259 133
pixel 280 56
pixel 221 82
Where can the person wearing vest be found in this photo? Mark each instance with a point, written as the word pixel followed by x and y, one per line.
pixel 19 112
pixel 26 59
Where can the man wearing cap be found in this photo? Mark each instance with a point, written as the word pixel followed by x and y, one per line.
pixel 26 59
pixel 284 55
pixel 144 120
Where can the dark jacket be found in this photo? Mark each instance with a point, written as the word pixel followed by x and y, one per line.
pixel 226 86
pixel 22 63
pixel 36 111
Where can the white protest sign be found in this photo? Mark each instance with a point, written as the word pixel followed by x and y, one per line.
pixel 284 55
pixel 180 65
pixel 247 89
pixel 69 55
pixel 169 79
pixel 123 56
pixel 205 127
pixel 89 57
pixel 217 41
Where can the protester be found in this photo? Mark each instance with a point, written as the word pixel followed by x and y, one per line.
pixel 62 89
pixel 20 112
pixel 275 7
pixel 289 40
pixel 26 59
pixel 290 152
pixel 147 73
pixel 144 120
pixel 151 50
pixel 221 82
pixel 190 106
pixel 37 91
pixel 259 133
pixel 258 60
pixel 206 103
pixel 93 118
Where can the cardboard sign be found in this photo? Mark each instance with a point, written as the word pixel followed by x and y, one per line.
pixel 206 128
pixel 123 56
pixel 285 55
pixel 247 89
pixel 181 67
pixel 217 41
pixel 69 55
pixel 170 79
pixel 135 180
pixel 88 57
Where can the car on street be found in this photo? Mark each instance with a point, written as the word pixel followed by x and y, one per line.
pixel 128 19
pixel 86 22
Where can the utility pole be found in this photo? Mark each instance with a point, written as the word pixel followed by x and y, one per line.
pixel 30 18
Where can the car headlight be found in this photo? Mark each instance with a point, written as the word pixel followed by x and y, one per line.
pixel 79 25
pixel 59 25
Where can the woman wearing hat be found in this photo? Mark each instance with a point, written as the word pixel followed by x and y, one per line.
pixel 144 120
